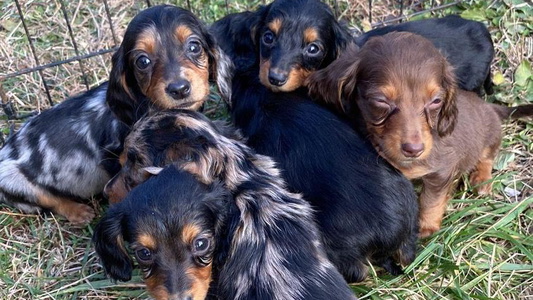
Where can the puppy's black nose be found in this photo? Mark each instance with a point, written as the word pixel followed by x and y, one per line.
pixel 412 150
pixel 179 89
pixel 276 78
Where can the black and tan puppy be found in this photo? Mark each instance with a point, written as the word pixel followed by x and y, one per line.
pixel 366 210
pixel 165 61
pixel 465 43
pixel 70 151
pixel 293 39
pixel 174 225
pixel 269 247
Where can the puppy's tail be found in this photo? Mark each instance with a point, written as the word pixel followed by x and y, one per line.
pixel 515 112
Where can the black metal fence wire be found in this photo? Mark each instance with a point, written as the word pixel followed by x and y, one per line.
pixel 403 8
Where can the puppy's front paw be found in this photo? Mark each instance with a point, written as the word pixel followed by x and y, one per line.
pixel 80 214
pixel 428 228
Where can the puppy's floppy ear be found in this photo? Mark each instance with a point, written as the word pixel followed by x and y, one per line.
pixel 226 219
pixel 335 84
pixel 219 203
pixel 343 39
pixel 448 113
pixel 256 21
pixel 119 96
pixel 109 245
pixel 220 67
pixel 223 72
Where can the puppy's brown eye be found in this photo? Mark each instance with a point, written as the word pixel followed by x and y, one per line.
pixel 313 49
pixel 144 255
pixel 194 47
pixel 268 38
pixel 143 62
pixel 201 245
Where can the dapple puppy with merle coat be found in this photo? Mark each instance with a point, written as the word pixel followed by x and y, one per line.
pixel 70 151
pixel 270 247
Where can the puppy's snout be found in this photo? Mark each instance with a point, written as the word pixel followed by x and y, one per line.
pixel 277 78
pixel 412 150
pixel 179 89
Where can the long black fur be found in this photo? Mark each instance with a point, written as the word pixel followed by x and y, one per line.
pixel 465 43
pixel 365 208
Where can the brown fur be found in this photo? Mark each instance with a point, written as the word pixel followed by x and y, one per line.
pixel 403 91
pixel 201 278
pixel 76 213
pixel 275 25
pixel 182 33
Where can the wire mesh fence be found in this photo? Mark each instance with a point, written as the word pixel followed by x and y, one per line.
pixel 54 49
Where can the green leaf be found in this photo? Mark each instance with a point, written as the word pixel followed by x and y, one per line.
pixel 476 15
pixel 512 216
pixel 503 159
pixel 523 73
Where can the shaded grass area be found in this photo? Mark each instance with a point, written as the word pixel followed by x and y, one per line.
pixel 484 251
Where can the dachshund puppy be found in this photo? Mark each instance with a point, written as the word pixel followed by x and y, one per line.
pixel 69 152
pixel 403 92
pixel 63 155
pixel 174 225
pixel 294 38
pixel 466 44
pixel 270 246
pixel 366 210
pixel 165 61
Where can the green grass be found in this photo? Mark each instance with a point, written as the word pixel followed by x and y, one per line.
pixel 484 250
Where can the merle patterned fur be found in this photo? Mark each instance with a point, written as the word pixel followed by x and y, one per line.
pixel 270 247
pixel 69 152
pixel 66 153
